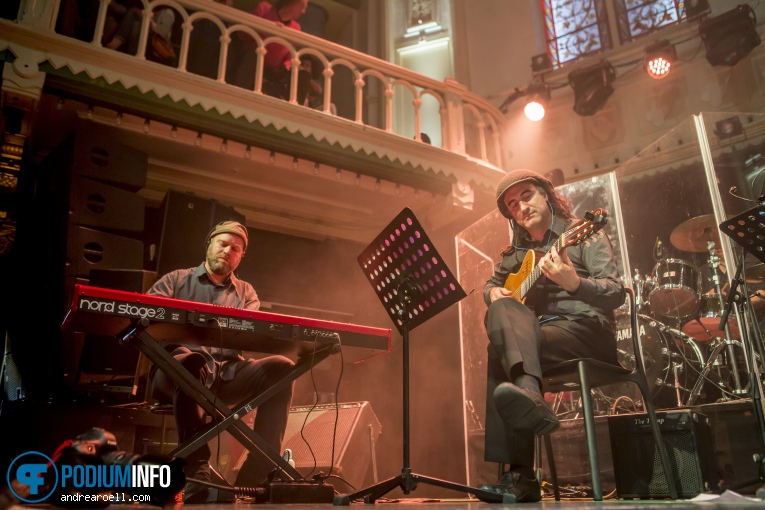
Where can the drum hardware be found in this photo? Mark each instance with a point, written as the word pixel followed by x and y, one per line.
pixel 714 264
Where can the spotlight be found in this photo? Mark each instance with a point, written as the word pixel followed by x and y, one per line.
pixel 398 189
pixel 272 157
pixel 357 180
pixel 118 118
pixel 377 185
pixel 60 104
pixel 728 128
pixel 90 113
pixel 540 63
pixel 294 163
pixel 198 140
pixel 659 58
pixel 539 95
pixel 730 36
pixel 338 173
pixel 174 132
pixel 247 153
pixel 224 146
pixel 592 87
pixel 146 125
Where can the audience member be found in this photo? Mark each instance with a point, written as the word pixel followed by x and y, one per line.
pixel 277 63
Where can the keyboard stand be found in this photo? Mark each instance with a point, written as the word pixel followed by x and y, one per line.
pixel 223 417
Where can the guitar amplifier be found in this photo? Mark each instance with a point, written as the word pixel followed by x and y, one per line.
pixel 687 438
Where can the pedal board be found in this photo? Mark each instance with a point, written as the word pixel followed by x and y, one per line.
pixel 299 492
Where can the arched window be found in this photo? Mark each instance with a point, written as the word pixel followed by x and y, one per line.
pixel 578 28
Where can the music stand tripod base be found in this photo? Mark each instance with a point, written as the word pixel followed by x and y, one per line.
pixel 413 284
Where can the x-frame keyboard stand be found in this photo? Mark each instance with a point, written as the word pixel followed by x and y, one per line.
pixel 223 417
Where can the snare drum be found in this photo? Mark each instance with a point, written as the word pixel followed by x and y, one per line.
pixel 676 291
pixel 705 326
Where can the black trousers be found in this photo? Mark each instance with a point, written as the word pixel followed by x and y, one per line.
pixel 251 377
pixel 518 344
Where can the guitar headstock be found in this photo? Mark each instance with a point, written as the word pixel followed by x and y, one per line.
pixel 592 222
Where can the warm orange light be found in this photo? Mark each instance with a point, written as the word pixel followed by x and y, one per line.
pixel 658 67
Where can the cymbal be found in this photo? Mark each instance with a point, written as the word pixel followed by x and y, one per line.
pixel 694 234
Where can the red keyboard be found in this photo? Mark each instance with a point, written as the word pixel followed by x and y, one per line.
pixel 108 312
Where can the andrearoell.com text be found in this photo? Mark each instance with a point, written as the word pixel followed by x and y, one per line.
pixel 108 476
pixel 117 497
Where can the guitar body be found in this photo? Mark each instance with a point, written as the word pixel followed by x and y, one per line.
pixel 515 280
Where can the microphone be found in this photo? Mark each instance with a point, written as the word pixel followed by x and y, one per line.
pixel 658 250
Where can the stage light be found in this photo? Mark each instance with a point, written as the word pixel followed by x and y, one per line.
pixel 540 63
pixel 659 59
pixel 272 157
pixel 295 163
pixel 248 153
pixel 146 126
pixel 728 128
pixel 730 36
pixel 174 132
pixel 118 118
pixel 198 140
pixel 224 146
pixel 539 96
pixel 592 87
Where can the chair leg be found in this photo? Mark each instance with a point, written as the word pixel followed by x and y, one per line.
pixel 551 463
pixel 589 428
pixel 663 456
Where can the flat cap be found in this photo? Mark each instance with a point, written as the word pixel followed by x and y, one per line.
pixel 512 178
pixel 229 227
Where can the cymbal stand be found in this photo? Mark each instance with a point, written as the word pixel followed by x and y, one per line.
pixel 714 262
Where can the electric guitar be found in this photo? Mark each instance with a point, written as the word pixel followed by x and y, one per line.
pixel 521 282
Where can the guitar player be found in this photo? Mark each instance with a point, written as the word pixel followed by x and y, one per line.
pixel 567 314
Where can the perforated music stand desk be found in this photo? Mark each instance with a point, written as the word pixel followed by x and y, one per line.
pixel 748 230
pixel 413 284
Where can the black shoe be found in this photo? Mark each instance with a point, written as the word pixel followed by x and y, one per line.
pixel 524 488
pixel 521 409
pixel 194 493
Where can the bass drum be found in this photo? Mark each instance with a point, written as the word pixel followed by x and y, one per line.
pixel 668 359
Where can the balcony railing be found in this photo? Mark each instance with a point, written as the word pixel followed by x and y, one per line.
pixel 469 124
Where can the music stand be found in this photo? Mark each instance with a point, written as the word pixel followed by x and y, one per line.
pixel 748 230
pixel 413 284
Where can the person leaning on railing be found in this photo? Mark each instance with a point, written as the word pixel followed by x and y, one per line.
pixel 278 60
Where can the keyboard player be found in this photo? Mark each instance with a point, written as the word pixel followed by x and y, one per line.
pixel 225 371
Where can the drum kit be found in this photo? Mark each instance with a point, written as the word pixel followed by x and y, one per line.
pixel 689 360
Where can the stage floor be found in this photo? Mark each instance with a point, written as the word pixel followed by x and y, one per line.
pixel 459 504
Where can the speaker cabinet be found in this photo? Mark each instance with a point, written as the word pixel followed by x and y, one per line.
pixel 97 154
pixel 355 439
pixel 93 204
pixel 186 221
pixel 687 438
pixel 92 249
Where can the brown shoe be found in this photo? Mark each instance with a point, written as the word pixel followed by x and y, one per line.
pixel 521 409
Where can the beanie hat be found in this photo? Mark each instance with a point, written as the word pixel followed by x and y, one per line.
pixel 512 178
pixel 229 227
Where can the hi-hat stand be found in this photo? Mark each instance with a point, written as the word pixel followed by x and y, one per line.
pixel 748 230
pixel 413 284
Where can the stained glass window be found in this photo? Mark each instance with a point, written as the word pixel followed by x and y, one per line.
pixel 579 28
pixel 575 29
pixel 637 18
